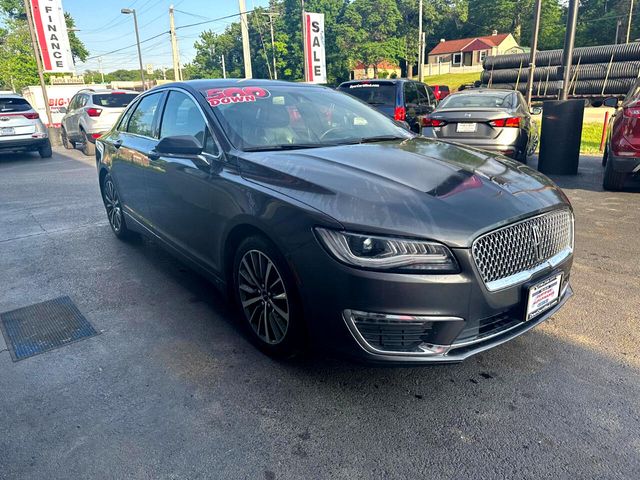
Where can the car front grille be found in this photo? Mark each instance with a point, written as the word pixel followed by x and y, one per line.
pixel 488 327
pixel 512 254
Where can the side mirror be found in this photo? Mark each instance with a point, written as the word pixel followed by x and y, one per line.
pixel 536 110
pixel 62 109
pixel 402 124
pixel 611 102
pixel 179 145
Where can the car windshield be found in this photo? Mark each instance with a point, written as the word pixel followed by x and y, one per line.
pixel 288 117
pixel 489 100
pixel 14 105
pixel 372 93
pixel 113 100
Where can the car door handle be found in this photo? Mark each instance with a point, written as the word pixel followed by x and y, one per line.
pixel 153 155
pixel 117 143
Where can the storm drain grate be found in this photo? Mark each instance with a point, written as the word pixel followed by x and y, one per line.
pixel 44 326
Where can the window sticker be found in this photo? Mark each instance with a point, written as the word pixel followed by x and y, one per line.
pixel 365 85
pixel 224 96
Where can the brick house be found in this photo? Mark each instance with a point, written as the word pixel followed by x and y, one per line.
pixel 471 51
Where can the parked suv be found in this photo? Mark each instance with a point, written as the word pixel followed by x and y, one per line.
pixel 440 91
pixel 91 113
pixel 401 99
pixel 21 128
pixel 622 153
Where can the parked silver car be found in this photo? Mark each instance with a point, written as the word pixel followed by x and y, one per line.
pixel 21 128
pixel 490 119
pixel 91 113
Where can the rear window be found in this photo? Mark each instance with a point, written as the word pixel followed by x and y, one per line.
pixel 372 93
pixel 14 105
pixel 113 100
pixel 488 100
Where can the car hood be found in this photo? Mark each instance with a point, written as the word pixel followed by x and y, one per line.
pixel 416 187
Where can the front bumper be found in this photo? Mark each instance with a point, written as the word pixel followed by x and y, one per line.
pixel 473 318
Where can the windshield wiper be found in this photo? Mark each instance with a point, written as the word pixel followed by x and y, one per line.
pixel 287 146
pixel 381 138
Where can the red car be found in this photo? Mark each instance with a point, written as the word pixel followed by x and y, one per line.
pixel 440 91
pixel 622 152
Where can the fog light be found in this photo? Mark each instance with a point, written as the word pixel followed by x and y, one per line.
pixel 396 334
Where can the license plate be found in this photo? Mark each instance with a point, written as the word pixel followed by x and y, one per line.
pixel 466 127
pixel 7 131
pixel 543 296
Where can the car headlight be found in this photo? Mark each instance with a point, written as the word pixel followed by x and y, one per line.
pixel 388 253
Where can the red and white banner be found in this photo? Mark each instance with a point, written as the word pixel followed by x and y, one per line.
pixel 53 39
pixel 314 48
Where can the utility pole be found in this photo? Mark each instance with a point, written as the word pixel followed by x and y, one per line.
pixel 534 48
pixel 567 54
pixel 164 72
pixel 175 52
pixel 304 53
pixel 224 69
pixel 273 43
pixel 629 21
pixel 618 25
pixel 420 46
pixel 246 50
pixel 100 68
pixel 36 52
pixel 128 11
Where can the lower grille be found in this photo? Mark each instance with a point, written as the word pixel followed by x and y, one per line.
pixel 394 335
pixel 488 326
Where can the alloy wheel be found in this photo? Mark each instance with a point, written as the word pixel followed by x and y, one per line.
pixel 263 297
pixel 112 204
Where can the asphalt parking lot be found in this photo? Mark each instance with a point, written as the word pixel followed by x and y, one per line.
pixel 171 388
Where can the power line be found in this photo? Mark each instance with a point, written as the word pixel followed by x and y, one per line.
pixel 213 20
pixel 128 46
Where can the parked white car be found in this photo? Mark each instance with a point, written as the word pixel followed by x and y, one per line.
pixel 90 114
pixel 21 128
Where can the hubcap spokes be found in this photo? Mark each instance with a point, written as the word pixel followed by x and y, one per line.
pixel 263 297
pixel 112 204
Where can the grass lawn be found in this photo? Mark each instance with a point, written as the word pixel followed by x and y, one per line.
pixel 591 133
pixel 452 80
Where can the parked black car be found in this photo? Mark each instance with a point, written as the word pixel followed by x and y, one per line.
pixel 328 222
pixel 401 99
pixel 491 119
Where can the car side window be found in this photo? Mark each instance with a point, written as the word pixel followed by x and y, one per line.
pixel 182 116
pixel 425 94
pixel 141 120
pixel 82 101
pixel 410 94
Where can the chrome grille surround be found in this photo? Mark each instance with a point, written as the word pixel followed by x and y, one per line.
pixel 514 253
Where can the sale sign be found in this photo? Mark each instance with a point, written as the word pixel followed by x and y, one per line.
pixel 53 39
pixel 314 47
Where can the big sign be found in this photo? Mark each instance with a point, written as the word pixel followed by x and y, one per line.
pixel 53 39
pixel 314 47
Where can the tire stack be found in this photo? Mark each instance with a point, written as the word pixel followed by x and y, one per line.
pixel 606 70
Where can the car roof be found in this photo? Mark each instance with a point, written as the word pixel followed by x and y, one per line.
pixel 102 91
pixel 374 80
pixel 11 95
pixel 481 91
pixel 236 82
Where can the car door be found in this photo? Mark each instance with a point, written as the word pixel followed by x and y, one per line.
pixel 182 189
pixel 412 105
pixel 74 123
pixel 70 116
pixel 135 137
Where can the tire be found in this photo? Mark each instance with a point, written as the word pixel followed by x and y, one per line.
pixel 270 309
pixel 88 148
pixel 45 150
pixel 66 143
pixel 113 206
pixel 613 181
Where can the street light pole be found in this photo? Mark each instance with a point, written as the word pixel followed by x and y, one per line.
pixel 567 54
pixel 629 21
pixel 244 31
pixel 534 48
pixel 128 11
pixel 420 46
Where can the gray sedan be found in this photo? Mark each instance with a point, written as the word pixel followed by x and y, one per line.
pixel 494 120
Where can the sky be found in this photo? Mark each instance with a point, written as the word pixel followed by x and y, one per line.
pixel 104 29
